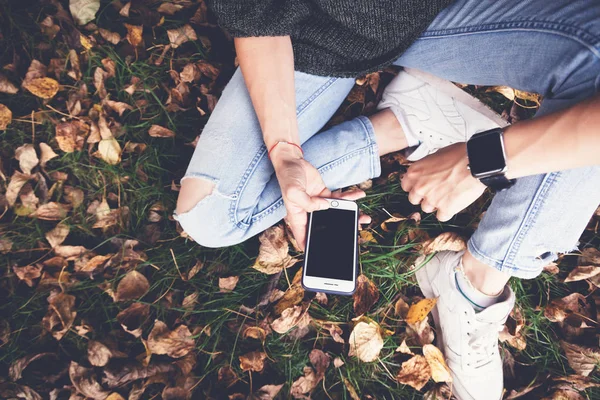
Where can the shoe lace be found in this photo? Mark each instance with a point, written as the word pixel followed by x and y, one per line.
pixel 483 342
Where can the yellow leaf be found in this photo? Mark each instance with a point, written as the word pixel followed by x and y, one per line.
pixel 5 117
pixel 439 370
pixel 110 151
pixel 418 312
pixel 134 34
pixel 505 91
pixel 534 97
pixel 85 42
pixel 45 88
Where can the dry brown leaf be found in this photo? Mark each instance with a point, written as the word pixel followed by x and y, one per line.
pixel 254 332
pixel 335 331
pixel 228 284
pixel 291 297
pixel 401 308
pixel 36 70
pixel 267 392
pixel 559 309
pixel 14 187
pixel 7 86
pixel 5 117
pixel 534 97
pixel 304 384
pixel 418 312
pixel 60 315
pixel 160 132
pixel 253 361
pixel 93 263
pixel 583 360
pixel 421 332
pixel 176 343
pixel 439 392
pixel 512 331
pixel 71 135
pixel 5 245
pixel 366 236
pixel 111 37
pixel 366 341
pixel 577 382
pixel 446 241
pixel 505 91
pixel 125 10
pixel 51 211
pixel 49 28
pixel 589 256
pixel 15 371
pixel 28 273
pixel 351 390
pixel 46 154
pixel 109 151
pixel 365 296
pixel 74 196
pixel 57 235
pixel 338 362
pixel 117 106
pixel 190 73
pixel 273 255
pixel 134 34
pixel 70 253
pixel 27 158
pixel 582 272
pixel 415 372
pixel 45 88
pixel 296 316
pixel 439 370
pixel 133 317
pixel 115 396
pixel 98 353
pixel 393 223
pixel 133 286
pixel 321 298
pixel 181 35
pixel 404 349
pixel 84 380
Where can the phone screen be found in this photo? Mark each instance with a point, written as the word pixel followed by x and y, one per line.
pixel 331 244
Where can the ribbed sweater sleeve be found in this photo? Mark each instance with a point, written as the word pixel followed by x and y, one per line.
pixel 246 18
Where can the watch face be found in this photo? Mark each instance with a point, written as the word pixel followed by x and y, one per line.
pixel 486 153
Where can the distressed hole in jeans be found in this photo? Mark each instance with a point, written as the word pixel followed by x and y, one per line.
pixel 192 191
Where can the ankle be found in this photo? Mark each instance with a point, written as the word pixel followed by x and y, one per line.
pixel 388 132
pixel 487 279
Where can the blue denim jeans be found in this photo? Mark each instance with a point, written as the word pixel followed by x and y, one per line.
pixel 552 48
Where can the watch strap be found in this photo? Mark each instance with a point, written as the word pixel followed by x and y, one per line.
pixel 498 182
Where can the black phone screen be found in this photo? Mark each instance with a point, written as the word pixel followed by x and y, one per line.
pixel 331 246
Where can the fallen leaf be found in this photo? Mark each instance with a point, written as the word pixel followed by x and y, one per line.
pixel 70 253
pixel 338 362
pixel 292 317
pixel 335 331
pixel 98 353
pixel 5 117
pixel 255 332
pixel 125 10
pixel 321 298
pixel 117 106
pixel 109 150
pixel 27 158
pixel 60 315
pixel 15 371
pixel 57 235
pixel 14 187
pixel 190 73
pixel 366 341
pixel 365 296
pixel 415 372
pixel 291 297
pixel 74 196
pixel 512 331
pixel 273 254
pixel 93 263
pixel 253 361
pixel 401 308
pixel 446 241
pixel 51 211
pixel 133 317
pixel 266 392
pixel 28 273
pixel 404 349
pixel 84 11
pixel 565 394
pixel 534 97
pixel 589 256
pixel 115 396
pixel 133 286
pixel 45 88
pixel 176 343
pixel 36 70
pixel 47 154
pixel 438 392
pixel 583 360
pixel 304 384
pixel 576 382
pixel 366 236
pixel 420 332
pixel 418 312
pixel 559 309
pixel 351 390
pixel 5 245
pixel 439 370
pixel 228 284
pixel 134 33
pixel 393 223
pixel 505 91
pixel 71 135
pixel 582 272
pixel 84 380
pixel 111 37
pixel 160 132
pixel 7 86
pixel 181 35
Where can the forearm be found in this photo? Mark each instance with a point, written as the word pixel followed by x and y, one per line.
pixel 267 64
pixel 562 140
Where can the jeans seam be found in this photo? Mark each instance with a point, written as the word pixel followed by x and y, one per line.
pixel 302 107
pixel 242 184
pixel 529 219
pixel 577 34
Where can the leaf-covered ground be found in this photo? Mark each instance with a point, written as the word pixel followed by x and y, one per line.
pixel 103 296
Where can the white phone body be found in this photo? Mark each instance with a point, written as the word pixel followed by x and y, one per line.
pixel 326 284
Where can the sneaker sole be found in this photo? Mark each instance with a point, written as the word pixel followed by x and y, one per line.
pixel 457 93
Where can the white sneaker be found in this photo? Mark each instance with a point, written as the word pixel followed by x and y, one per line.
pixel 469 340
pixel 435 112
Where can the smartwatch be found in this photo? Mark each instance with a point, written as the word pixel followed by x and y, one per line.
pixel 487 159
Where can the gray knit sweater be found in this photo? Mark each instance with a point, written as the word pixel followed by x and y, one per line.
pixel 345 38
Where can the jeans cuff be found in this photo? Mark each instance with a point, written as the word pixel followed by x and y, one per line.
pixel 501 266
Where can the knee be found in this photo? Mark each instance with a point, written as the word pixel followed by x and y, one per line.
pixel 205 216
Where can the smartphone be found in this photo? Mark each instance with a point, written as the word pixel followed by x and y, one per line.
pixel 331 257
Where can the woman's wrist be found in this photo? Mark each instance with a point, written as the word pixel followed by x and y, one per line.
pixel 283 152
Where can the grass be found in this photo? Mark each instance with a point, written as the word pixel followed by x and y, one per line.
pixel 169 255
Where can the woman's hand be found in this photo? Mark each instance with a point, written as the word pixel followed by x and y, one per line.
pixel 302 189
pixel 442 182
